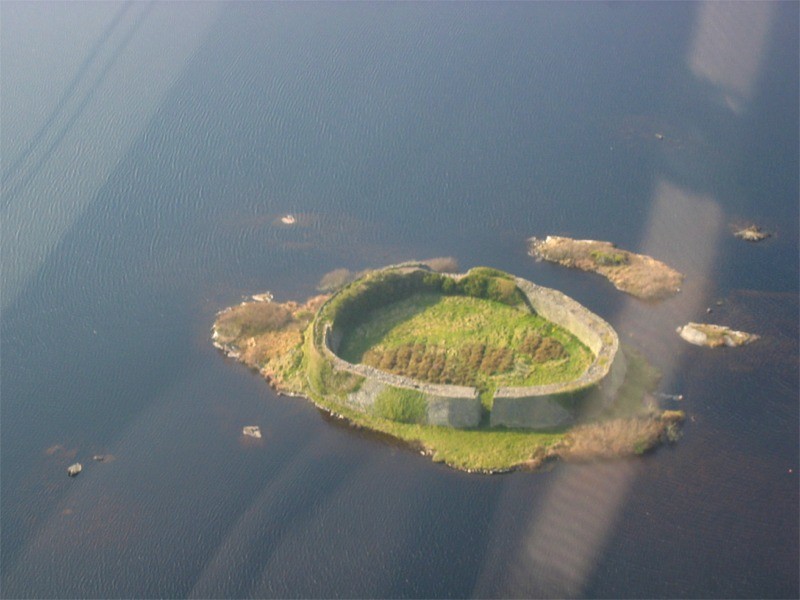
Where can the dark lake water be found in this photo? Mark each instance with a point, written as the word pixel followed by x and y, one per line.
pixel 148 152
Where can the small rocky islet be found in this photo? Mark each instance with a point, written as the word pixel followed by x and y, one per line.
pixel 639 275
pixel 715 336
pixel 752 233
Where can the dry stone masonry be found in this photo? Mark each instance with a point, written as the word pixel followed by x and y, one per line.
pixel 535 407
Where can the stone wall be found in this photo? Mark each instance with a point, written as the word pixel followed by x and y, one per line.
pixel 534 407
pixel 449 405
pixel 543 406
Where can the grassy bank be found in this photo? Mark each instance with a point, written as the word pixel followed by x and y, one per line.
pixel 475 450
pixel 625 427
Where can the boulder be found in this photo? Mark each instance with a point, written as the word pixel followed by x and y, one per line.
pixel 754 233
pixel 251 431
pixel 692 335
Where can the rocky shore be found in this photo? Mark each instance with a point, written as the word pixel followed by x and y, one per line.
pixel 268 336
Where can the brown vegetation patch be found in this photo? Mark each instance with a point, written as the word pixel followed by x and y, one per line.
pixel 252 318
pixel 269 347
pixel 433 363
pixel 542 349
pixel 268 336
pixel 621 437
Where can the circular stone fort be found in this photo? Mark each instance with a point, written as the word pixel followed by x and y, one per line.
pixel 372 390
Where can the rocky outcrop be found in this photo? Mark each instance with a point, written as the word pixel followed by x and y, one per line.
pixel 754 233
pixel 714 336
pixel 635 274
pixel 253 431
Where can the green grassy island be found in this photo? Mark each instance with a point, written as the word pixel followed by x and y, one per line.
pixel 483 371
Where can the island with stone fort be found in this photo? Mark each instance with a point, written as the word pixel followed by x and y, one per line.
pixel 483 371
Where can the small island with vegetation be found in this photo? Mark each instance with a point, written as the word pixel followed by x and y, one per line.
pixel 715 336
pixel 483 371
pixel 636 274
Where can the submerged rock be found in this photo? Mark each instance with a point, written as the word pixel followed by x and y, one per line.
pixel 714 336
pixel 73 470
